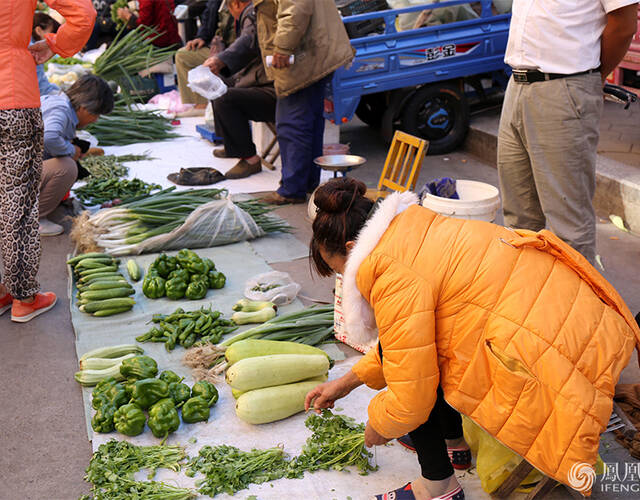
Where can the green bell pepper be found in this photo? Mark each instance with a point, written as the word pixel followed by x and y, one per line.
pixel 216 279
pixel 199 277
pixel 129 420
pixel 208 265
pixel 179 393
pixel 111 393
pixel 102 421
pixel 191 262
pixel 175 288
pixel 149 390
pixel 163 418
pixel 196 410
pixel 196 290
pixel 180 273
pixel 153 286
pixel 206 390
pixel 165 265
pixel 170 377
pixel 139 367
pixel 99 396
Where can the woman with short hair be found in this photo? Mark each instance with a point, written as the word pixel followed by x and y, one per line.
pixel 88 98
pixel 512 328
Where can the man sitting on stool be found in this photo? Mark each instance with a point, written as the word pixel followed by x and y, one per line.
pixel 250 96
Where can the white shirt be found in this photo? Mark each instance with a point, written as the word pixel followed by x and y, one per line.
pixel 558 36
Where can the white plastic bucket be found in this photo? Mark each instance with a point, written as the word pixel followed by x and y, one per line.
pixel 478 201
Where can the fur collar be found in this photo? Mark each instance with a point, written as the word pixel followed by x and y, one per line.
pixel 360 322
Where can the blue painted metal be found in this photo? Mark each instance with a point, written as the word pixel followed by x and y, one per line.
pixel 397 59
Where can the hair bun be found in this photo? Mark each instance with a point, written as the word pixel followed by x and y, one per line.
pixel 337 195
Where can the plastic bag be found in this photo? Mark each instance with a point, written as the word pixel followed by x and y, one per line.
pixel 275 286
pixel 202 81
pixel 170 102
pixel 218 222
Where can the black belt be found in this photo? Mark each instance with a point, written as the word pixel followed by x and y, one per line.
pixel 531 75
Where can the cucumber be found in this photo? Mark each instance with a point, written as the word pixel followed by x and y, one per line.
pixel 98 276
pixel 92 255
pixel 276 369
pixel 250 348
pixel 102 269
pixel 106 285
pixel 98 305
pixel 110 293
pixel 135 273
pixel 94 263
pixel 269 404
pixel 111 312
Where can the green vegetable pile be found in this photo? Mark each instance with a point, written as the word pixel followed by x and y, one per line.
pixel 126 125
pixel 104 362
pixel 109 192
pixel 186 328
pixel 228 469
pixel 337 442
pixel 102 289
pixel 121 406
pixel 185 275
pixel 104 167
pixel 112 468
pixel 129 54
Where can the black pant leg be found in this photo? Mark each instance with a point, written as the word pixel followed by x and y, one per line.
pixel 429 441
pixel 449 419
pixel 234 110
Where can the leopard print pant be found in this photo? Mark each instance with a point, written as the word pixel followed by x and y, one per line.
pixel 21 146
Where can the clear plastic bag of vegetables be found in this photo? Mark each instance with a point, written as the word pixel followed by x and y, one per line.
pixel 197 218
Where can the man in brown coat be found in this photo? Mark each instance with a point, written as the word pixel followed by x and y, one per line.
pixel 313 33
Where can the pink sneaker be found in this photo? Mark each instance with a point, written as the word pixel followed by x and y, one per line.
pixel 5 303
pixel 22 312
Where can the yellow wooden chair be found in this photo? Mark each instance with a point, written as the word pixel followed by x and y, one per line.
pixel 402 166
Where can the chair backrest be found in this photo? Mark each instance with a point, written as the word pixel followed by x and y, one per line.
pixel 403 163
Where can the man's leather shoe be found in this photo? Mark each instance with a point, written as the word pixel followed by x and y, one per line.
pixel 243 169
pixel 275 198
pixel 220 153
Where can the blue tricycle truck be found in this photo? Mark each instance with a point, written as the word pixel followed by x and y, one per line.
pixel 420 80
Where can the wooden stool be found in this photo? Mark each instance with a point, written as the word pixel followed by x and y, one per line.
pixel 272 151
pixel 541 489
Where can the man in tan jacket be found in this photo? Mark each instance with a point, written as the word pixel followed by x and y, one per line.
pixel 313 33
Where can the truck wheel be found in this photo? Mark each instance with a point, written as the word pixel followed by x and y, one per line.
pixel 438 113
pixel 371 108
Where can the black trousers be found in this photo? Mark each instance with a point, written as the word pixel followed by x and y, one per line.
pixel 233 111
pixel 429 439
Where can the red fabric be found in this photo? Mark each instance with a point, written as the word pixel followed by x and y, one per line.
pixel 159 14
pixel 18 80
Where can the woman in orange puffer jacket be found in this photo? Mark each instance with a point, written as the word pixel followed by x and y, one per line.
pixel 514 329
pixel 21 143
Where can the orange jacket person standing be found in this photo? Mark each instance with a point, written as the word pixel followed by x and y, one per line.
pixel 515 329
pixel 21 143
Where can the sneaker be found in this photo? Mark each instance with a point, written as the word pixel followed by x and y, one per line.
pixel 21 312
pixel 243 169
pixel 276 198
pixel 48 228
pixel 406 493
pixel 220 153
pixel 5 303
pixel 460 458
pixel 406 442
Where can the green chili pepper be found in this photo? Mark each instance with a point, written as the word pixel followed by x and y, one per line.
pixel 139 367
pixel 163 418
pixel 149 390
pixel 206 390
pixel 129 420
pixel 179 393
pixel 196 410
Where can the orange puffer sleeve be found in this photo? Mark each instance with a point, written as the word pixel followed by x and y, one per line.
pixel 369 370
pixel 404 306
pixel 79 18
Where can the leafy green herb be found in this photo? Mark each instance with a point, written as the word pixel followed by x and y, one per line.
pixel 112 468
pixel 228 469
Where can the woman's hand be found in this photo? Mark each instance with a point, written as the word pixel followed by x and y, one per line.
pixel 325 395
pixel 41 51
pixel 372 438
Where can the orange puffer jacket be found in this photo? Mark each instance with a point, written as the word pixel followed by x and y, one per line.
pixel 18 80
pixel 524 336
